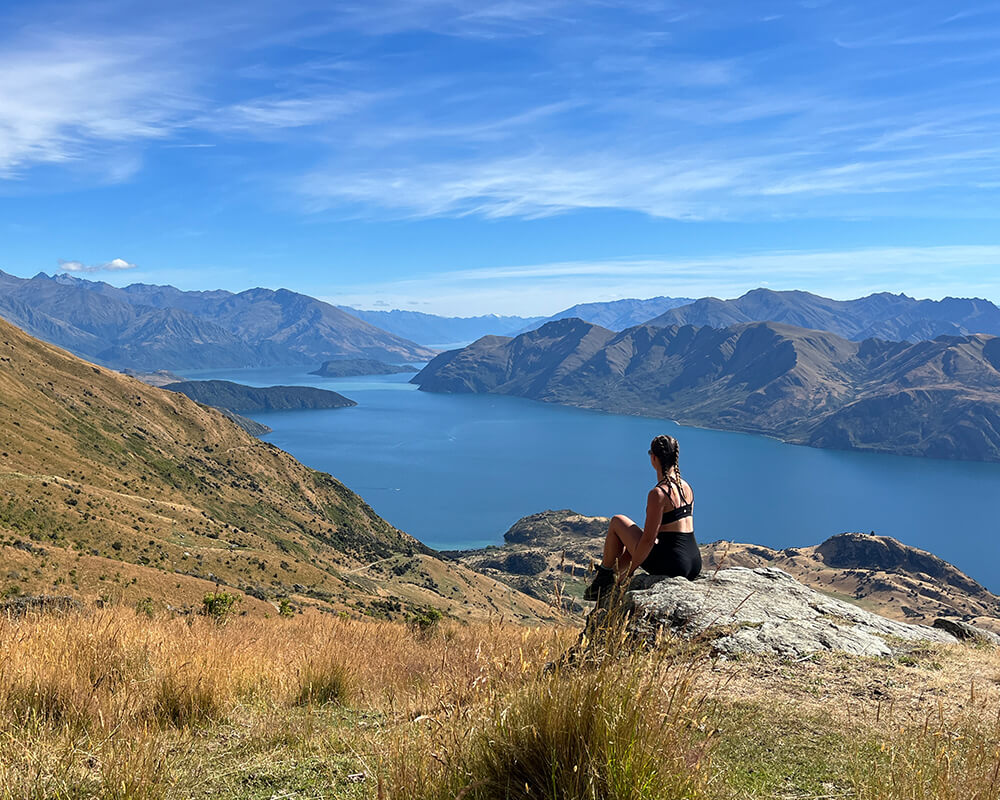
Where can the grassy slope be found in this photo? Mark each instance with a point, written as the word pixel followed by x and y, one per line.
pixel 117 705
pixel 109 487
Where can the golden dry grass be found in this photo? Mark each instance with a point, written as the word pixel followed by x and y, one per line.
pixel 112 704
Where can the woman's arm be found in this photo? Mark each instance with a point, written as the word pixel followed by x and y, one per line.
pixel 654 513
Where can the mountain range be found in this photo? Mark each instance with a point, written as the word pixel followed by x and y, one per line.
pixel 937 398
pixel 146 327
pixel 110 488
pixel 894 317
pixel 431 329
pixel 616 315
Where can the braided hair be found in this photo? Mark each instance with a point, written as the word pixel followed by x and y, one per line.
pixel 667 451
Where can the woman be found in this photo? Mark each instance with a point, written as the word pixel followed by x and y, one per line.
pixel 665 545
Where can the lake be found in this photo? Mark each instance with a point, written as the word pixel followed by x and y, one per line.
pixel 457 470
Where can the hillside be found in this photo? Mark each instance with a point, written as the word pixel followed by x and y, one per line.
pixel 112 488
pixel 879 316
pixel 549 555
pixel 147 328
pixel 939 398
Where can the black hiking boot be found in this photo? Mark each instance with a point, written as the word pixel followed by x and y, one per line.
pixel 604 581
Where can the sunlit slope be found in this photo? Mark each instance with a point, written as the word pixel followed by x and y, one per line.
pixel 112 487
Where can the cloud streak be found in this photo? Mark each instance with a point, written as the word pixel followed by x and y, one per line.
pixel 662 108
pixel 114 265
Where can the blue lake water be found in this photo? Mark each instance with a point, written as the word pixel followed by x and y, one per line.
pixel 457 470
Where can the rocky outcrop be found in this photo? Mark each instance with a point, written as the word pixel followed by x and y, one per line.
pixel 251 426
pixel 41 603
pixel 867 551
pixel 966 632
pixel 878 573
pixel 765 611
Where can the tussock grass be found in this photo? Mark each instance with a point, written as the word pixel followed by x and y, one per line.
pixel 112 704
pixel 324 679
pixel 626 729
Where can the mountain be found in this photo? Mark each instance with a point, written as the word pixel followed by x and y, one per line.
pixel 549 555
pixel 937 398
pixel 159 327
pixel 247 399
pixel 430 329
pixel 113 489
pixel 880 316
pixel 616 315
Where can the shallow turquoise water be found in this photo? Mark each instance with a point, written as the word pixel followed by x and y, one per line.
pixel 457 470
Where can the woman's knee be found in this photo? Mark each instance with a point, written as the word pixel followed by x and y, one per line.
pixel 619 521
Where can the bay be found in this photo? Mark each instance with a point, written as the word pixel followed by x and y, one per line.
pixel 457 470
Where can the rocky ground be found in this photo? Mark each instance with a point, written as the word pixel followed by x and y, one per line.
pixel 548 555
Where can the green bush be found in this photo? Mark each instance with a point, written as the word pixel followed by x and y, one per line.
pixel 219 605
pixel 425 620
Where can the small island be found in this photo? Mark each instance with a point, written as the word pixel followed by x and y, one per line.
pixel 237 398
pixel 355 367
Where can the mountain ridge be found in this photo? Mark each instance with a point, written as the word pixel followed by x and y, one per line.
pixel 147 327
pixel 942 398
pixel 882 315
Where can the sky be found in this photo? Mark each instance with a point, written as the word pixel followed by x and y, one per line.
pixel 465 157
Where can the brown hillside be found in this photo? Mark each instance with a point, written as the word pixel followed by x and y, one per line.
pixel 110 487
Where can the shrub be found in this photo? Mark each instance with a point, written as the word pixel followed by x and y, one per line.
pixel 425 620
pixel 219 605
pixel 144 608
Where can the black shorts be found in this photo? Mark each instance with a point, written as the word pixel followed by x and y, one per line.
pixel 674 555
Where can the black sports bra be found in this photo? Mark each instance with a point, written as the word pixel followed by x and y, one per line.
pixel 681 511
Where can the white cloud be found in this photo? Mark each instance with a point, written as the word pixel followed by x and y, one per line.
pixel 259 116
pixel 63 96
pixel 114 265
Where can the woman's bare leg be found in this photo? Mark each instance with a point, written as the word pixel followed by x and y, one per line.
pixel 622 539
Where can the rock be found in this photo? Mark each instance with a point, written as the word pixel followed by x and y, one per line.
pixel 966 632
pixel 764 610
pixel 19 606
pixel 868 552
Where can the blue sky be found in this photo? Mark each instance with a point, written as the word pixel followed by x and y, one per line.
pixel 463 157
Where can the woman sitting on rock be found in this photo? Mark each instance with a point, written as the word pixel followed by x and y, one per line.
pixel 665 545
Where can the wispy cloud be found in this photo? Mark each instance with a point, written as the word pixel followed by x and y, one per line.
pixel 63 95
pixel 262 115
pixel 665 108
pixel 114 265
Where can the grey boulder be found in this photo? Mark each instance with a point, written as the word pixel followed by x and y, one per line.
pixel 764 610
